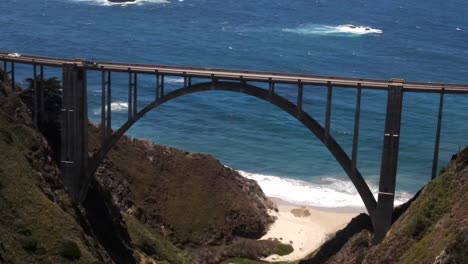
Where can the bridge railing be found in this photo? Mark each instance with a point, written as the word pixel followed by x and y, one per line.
pixel 224 74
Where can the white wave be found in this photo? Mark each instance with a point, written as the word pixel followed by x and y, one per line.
pixel 119 106
pixel 115 107
pixel 174 80
pixel 333 30
pixel 329 192
pixel 136 2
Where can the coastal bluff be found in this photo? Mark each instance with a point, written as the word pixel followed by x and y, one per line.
pixel 191 198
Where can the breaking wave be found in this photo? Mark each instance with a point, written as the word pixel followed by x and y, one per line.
pixel 136 2
pixel 329 192
pixel 115 107
pixel 174 80
pixel 341 30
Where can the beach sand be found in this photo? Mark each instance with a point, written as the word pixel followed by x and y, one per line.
pixel 305 228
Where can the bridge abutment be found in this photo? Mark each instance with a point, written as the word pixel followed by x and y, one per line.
pixel 74 134
pixel 387 182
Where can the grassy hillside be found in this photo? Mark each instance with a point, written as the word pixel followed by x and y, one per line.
pixel 434 229
pixel 37 220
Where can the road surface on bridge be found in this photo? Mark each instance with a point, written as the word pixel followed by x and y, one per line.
pixel 238 75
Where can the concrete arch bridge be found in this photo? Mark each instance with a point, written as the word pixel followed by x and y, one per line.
pixel 78 168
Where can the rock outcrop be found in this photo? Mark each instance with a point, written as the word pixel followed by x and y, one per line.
pixel 191 198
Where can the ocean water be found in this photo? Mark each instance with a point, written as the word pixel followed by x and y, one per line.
pixel 412 40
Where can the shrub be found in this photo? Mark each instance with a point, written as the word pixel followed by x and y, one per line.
pixel 29 244
pixel 69 250
pixel 24 231
pixel 418 226
pixel 442 171
pixel 282 249
pixel 464 154
pixel 147 247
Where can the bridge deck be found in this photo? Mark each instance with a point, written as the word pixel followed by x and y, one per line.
pixel 253 76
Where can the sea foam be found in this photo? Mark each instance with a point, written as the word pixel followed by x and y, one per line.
pixel 115 107
pixel 137 2
pixel 174 80
pixel 340 30
pixel 329 192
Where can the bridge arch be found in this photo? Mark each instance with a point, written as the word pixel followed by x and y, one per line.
pixel 263 94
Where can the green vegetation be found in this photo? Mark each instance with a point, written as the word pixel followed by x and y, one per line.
pixel 428 210
pixel 428 248
pixel 31 225
pixel 192 197
pixel 154 245
pixel 464 154
pixel 29 244
pixel 69 250
pixel 280 249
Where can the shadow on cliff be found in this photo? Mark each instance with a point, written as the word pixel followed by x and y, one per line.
pixel 105 222
pixel 98 216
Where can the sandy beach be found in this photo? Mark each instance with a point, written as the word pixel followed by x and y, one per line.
pixel 305 228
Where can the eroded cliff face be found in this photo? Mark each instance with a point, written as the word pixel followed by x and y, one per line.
pixel 434 228
pixel 191 198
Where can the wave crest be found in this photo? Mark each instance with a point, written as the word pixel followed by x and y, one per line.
pixel 116 107
pixel 329 192
pixel 343 30
pixel 136 2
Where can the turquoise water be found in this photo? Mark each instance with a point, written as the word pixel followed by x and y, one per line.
pixel 418 41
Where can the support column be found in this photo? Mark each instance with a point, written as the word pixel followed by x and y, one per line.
pixel 109 106
pixel 271 87
pixel 357 116
pixel 13 82
pixel 157 87
pixel 41 95
pixel 5 71
pixel 135 94
pixel 435 160
pixel 387 182
pixel 328 110
pixel 74 134
pixel 35 98
pixel 130 95
pixel 103 107
pixel 300 91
